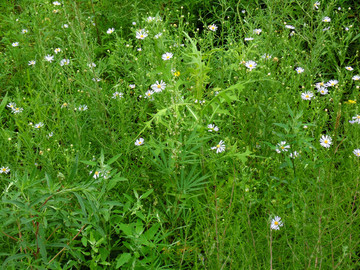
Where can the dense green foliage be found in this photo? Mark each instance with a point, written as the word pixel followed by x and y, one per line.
pixel 108 160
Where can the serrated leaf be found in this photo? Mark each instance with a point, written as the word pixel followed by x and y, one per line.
pixel 122 259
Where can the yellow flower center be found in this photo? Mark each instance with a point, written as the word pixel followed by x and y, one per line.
pixel 276 223
pixel 140 142
pixel 218 146
pixel 326 141
pixel 158 86
pixel 307 96
pixel 4 170
pixel 282 147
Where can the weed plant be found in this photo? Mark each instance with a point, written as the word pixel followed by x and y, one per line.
pixel 179 134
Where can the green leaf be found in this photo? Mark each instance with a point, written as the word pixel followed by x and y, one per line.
pixel 91 163
pixel 41 242
pixel 146 194
pixel 113 159
pixel 127 228
pixel 81 202
pixel 121 260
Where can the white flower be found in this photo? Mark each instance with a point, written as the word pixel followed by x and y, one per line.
pixel 349 68
pixel 49 58
pixel 15 44
pixel 141 34
pixel 158 86
pixel 133 23
pixel 212 128
pixel 96 174
pixel 320 85
pixel 282 147
pixel 220 147
pixel 139 49
pixel 57 50
pixel 64 62
pixel 17 110
pixel 213 27
pixel 56 3
pixel 50 134
pixel 355 119
pixel 326 19
pixel 118 95
pixel 24 31
pixel 332 83
pixel 39 125
pixel 250 65
pixel 139 142
pixel 132 86
pixel 150 19
pixel 326 28
pixel 276 223
pixel 82 108
pixel 257 31
pixel 299 70
pixel 32 63
pixel 110 31
pixel 356 78
pixel 96 79
pixel 307 95
pixel 323 91
pixel 317 4
pixel 294 154
pixel 325 141
pixel 288 26
pixel 11 105
pixel 5 170
pixel 65 25
pixel 248 39
pixel 158 35
pixel 356 152
pixel 149 93
pixel 266 56
pixel 167 56
pixel 91 65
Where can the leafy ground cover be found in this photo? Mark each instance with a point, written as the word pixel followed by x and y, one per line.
pixel 179 134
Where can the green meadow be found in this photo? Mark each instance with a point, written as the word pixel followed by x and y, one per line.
pixel 186 134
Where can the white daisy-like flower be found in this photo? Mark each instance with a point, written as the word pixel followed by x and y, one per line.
pixel 158 35
pixel 150 19
pixel 141 34
pixel 139 142
pixel 220 147
pixel 32 63
pixel 91 65
pixel 213 27
pixel 349 68
pixel 323 91
pixel 307 95
pixel 294 154
pixel 331 83
pixel 50 135
pixel 282 147
pixel 39 125
pixel 257 31
pixel 57 50
pixel 132 86
pixel 17 110
pixel 49 58
pixel 248 39
pixel 11 105
pixel 96 174
pixel 325 141
pixel 317 4
pixel 355 119
pixel 167 56
pixel 356 77
pixel 15 44
pixel 96 79
pixel 299 70
pixel 326 19
pixel 82 108
pixel 276 223
pixel 56 3
pixel 139 49
pixel 266 56
pixel 212 127
pixel 24 31
pixel 65 26
pixel 5 170
pixel 64 62
pixel 288 26
pixel 356 152
pixel 117 95
pixel 320 85
pixel 133 23
pixel 110 31
pixel 149 93
pixel 158 86
pixel 250 65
